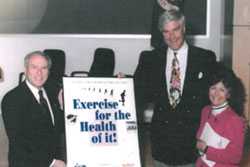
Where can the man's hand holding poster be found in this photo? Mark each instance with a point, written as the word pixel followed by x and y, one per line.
pixel 100 122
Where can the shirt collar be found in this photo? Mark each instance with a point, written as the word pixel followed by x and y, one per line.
pixel 218 109
pixel 183 48
pixel 222 115
pixel 34 89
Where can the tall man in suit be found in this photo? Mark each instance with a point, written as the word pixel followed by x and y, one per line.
pixel 174 78
pixel 33 121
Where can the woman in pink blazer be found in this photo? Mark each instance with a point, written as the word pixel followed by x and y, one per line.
pixel 220 137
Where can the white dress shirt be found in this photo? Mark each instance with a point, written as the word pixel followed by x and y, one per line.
pixel 34 91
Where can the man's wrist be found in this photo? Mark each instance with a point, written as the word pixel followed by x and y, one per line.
pixel 52 163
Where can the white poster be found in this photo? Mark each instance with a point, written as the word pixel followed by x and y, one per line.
pixel 100 122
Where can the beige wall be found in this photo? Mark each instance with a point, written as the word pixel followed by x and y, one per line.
pixel 241 45
pixel 3 145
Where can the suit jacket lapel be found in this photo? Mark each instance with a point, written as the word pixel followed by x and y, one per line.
pixel 162 70
pixel 29 93
pixel 191 61
pixel 51 101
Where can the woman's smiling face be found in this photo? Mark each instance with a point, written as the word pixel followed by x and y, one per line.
pixel 218 94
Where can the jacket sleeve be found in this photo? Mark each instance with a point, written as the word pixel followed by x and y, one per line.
pixel 14 120
pixel 143 83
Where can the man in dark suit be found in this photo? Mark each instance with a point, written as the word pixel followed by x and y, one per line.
pixel 32 118
pixel 174 78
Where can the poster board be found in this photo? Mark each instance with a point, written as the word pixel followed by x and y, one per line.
pixel 100 122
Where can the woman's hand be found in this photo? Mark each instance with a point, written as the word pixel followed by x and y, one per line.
pixel 121 75
pixel 59 163
pixel 201 146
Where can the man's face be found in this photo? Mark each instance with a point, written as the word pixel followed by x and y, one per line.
pixel 173 34
pixel 37 70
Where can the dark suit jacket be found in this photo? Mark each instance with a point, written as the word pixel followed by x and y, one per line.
pixel 33 139
pixel 173 131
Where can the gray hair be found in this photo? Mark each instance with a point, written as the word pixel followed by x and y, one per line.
pixel 40 53
pixel 170 15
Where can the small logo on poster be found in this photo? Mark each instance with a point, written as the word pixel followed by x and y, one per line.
pixel 123 94
pixel 131 125
pixel 71 118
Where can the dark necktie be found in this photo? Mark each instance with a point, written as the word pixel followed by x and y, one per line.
pixel 44 103
pixel 175 82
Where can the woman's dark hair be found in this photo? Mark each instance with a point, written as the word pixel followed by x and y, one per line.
pixel 233 84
